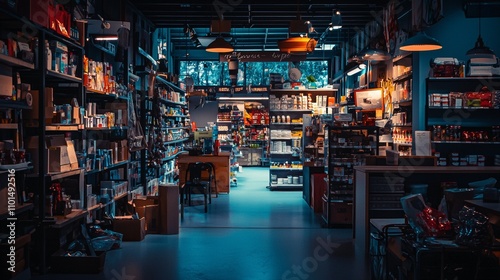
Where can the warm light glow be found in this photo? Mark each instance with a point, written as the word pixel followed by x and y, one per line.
pixel 356 70
pixel 420 43
pixel 297 45
pixel 106 38
pixel 219 45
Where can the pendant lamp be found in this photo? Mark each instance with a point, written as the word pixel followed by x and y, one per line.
pixel 297 45
pixel 480 50
pixel 219 45
pixel 420 43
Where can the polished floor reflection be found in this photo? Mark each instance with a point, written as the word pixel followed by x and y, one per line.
pixel 251 233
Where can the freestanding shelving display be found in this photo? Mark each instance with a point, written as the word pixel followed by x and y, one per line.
pixel 287 109
pixel 345 148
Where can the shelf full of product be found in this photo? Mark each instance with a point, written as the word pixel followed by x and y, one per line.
pixel 462 117
pixel 345 147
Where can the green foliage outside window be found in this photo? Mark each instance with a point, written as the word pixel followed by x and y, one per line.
pixel 214 73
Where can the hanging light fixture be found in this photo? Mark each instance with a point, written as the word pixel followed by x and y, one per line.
pixel 336 22
pixel 220 45
pixel 420 42
pixel 355 68
pixel 480 50
pixel 297 45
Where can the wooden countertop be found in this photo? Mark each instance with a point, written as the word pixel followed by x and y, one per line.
pixel 428 169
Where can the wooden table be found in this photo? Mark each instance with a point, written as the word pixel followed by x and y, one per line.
pixel 221 163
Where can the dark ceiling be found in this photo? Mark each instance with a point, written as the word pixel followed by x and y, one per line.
pixel 258 24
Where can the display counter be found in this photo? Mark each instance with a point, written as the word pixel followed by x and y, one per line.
pixel 379 188
pixel 221 163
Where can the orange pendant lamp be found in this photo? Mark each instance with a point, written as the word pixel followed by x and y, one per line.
pixel 297 45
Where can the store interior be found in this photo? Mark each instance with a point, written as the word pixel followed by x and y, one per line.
pixel 249 140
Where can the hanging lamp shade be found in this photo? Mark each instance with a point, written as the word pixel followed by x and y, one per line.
pixel 480 50
pixel 219 45
pixel 297 45
pixel 374 55
pixel 420 43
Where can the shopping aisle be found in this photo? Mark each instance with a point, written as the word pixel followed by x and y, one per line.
pixel 252 233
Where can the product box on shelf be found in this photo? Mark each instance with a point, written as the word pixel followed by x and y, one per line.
pixel 33 114
pixel 122 150
pixel 36 10
pixel 58 155
pixel 120 111
pixel 132 229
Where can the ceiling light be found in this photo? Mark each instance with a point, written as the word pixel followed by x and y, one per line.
pixel 420 42
pixel 219 45
pixel 297 45
pixel 336 21
pixel 480 50
pixel 106 37
pixel 358 68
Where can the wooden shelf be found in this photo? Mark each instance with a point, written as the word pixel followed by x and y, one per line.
pixel 98 93
pixel 61 76
pixel 9 126
pixel 61 175
pixel 107 128
pixel 107 167
pixel 63 127
pixel 15 62
pixel 12 104
pixel 61 221
pixel 402 77
pixel 19 209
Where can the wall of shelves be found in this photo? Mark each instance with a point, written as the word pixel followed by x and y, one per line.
pixel 402 104
pixel 462 115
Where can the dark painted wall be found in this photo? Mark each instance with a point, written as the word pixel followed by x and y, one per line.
pixel 457 34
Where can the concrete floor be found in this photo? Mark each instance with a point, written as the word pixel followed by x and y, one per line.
pixel 251 233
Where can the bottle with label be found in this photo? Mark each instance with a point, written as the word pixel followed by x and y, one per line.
pixel 49 55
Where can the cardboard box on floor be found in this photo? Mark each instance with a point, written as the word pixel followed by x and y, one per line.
pixel 132 229
pixel 148 208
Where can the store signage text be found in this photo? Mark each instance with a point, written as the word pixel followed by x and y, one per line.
pixel 262 56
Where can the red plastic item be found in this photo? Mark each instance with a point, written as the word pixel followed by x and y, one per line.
pixel 433 222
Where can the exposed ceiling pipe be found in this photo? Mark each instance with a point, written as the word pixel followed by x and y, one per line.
pixel 265 40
